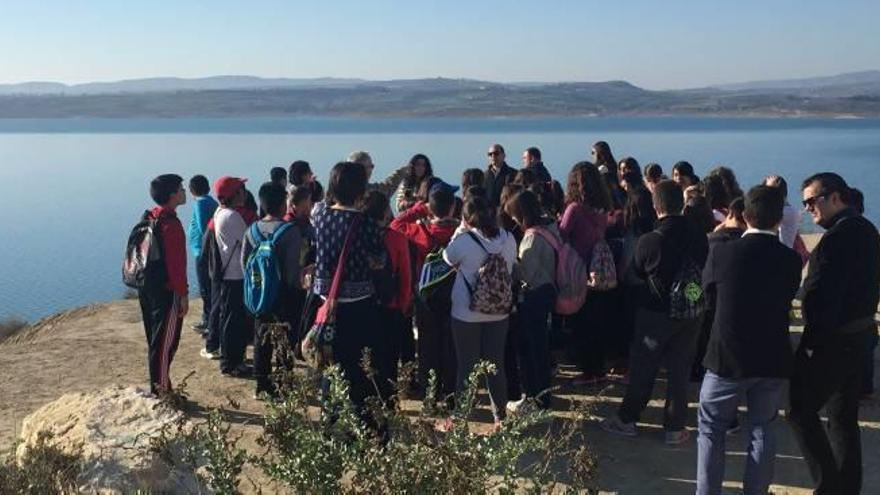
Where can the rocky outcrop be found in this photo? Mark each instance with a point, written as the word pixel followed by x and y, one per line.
pixel 113 429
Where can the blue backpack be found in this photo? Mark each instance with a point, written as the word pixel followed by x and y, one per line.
pixel 262 272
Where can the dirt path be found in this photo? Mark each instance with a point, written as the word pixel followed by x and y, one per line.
pixel 91 348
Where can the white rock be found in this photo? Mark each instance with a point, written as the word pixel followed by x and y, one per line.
pixel 114 428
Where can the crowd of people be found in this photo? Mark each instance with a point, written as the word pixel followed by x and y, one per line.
pixel 692 275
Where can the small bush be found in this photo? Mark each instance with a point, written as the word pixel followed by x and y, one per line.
pixel 317 442
pixel 43 469
pixel 10 326
pixel 402 454
pixel 212 446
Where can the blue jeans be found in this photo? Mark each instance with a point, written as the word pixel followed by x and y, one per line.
pixel 719 399
pixel 204 288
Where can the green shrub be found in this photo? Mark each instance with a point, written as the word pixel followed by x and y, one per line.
pixel 314 443
pixel 338 452
pixel 212 446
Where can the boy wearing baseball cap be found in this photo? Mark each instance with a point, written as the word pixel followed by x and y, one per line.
pixel 229 230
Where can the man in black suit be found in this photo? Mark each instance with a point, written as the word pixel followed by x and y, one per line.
pixel 498 174
pixel 840 298
pixel 754 280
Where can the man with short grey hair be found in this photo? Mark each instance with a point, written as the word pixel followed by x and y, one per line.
pixel 388 184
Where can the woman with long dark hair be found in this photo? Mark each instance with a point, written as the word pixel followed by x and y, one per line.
pixel 479 336
pixel 717 196
pixel 683 174
pixel 728 181
pixel 629 165
pixel 603 157
pixel 638 213
pixel 418 171
pixel 583 224
pixel 639 218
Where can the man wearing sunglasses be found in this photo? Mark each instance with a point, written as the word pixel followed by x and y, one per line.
pixel 840 297
pixel 498 174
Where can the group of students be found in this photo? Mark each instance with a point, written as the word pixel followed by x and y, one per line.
pixel 694 276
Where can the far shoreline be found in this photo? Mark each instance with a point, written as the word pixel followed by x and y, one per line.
pixel 366 124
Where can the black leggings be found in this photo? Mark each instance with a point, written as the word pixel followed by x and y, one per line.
pixel 591 331
pixel 358 327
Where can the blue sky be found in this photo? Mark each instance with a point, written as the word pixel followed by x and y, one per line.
pixel 654 44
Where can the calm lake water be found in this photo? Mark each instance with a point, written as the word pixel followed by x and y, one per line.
pixel 73 188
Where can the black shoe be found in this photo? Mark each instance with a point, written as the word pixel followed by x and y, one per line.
pixel 240 371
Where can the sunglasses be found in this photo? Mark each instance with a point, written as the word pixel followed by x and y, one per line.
pixel 809 203
pixel 493 153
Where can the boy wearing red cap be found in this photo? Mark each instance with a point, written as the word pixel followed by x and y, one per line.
pixel 229 230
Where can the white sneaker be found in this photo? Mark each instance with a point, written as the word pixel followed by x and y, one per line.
pixel 613 424
pixel 209 355
pixel 513 405
pixel 522 406
pixel 677 437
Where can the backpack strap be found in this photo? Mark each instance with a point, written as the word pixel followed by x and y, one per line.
pixel 343 256
pixel 284 227
pixel 547 235
pixel 256 235
pixel 478 241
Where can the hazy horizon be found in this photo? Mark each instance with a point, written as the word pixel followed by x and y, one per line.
pixel 440 76
pixel 668 45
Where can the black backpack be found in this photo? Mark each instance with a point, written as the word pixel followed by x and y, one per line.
pixel 686 297
pixel 143 266
pixel 210 255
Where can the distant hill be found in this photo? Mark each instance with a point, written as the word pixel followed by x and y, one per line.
pixel 159 84
pixel 842 85
pixel 868 77
pixel 856 94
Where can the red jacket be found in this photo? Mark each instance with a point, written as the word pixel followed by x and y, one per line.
pixel 398 251
pixel 173 249
pixel 424 237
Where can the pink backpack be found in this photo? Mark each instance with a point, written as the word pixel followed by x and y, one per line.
pixel 571 274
